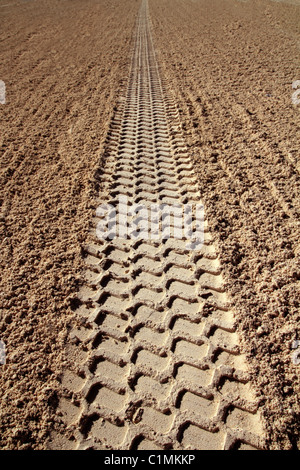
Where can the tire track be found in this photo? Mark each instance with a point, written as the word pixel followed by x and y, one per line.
pixel 157 363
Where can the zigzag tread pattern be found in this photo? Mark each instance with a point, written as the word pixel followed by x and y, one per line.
pixel 156 355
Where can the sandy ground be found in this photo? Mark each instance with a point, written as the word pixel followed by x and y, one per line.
pixel 63 64
pixel 230 67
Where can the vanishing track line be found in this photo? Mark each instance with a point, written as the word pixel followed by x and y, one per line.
pixel 157 362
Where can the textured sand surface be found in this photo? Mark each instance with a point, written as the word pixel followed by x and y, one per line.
pixel 158 359
pixel 230 66
pixel 63 64
pixel 228 69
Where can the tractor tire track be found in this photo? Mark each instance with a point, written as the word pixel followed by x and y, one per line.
pixel 158 364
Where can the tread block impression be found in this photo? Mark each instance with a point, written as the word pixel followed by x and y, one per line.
pixel 156 361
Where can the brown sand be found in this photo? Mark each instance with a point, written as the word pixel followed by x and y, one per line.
pixel 63 64
pixel 230 69
pixel 230 66
pixel 154 357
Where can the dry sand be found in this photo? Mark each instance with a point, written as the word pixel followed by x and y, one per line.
pixel 63 64
pixel 229 66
